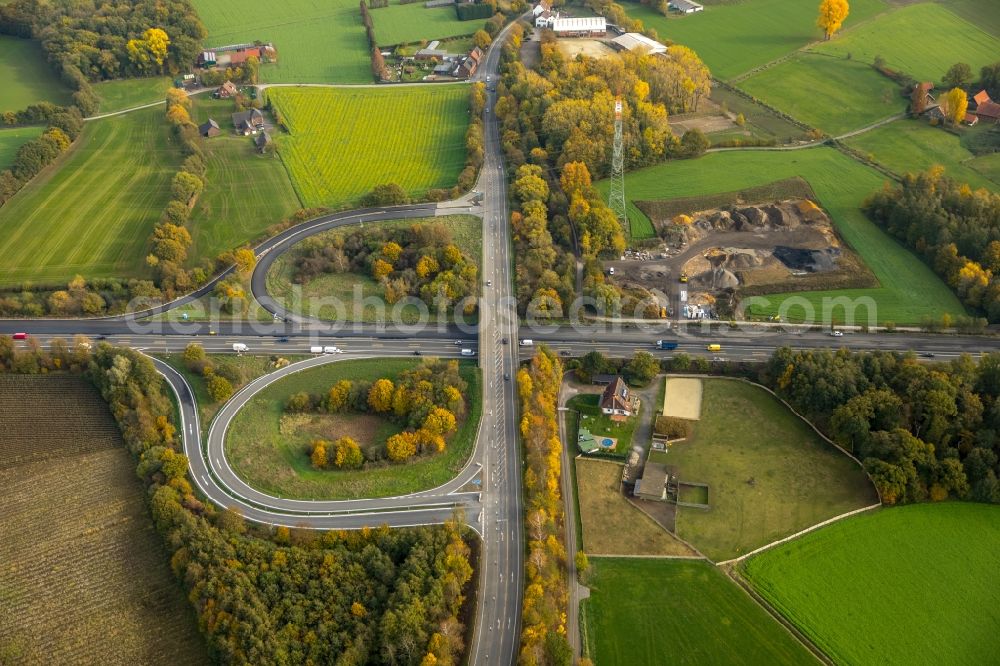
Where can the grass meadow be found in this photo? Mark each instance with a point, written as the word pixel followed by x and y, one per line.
pixel 414 137
pixel 92 211
pixel 275 461
pixel 123 94
pixel 831 94
pixel 908 585
pixel 983 13
pixel 246 193
pixel 12 139
pixel 769 474
pixel 26 75
pixel 909 289
pixel 317 41
pixel 902 38
pixel 914 145
pixel 85 579
pixel 404 24
pixel 733 38
pixel 662 611
pixel 316 297
pixel 988 166
pixel 611 525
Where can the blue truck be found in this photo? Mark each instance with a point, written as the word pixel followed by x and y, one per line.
pixel 666 344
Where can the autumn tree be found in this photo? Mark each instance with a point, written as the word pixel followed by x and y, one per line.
pixel 347 454
pixel 318 455
pixel 482 39
pixel 380 395
pixel 338 395
pixel 245 260
pixel 831 16
pixel 401 446
pixel 955 103
pixel 219 388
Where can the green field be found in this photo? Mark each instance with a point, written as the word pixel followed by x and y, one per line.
pixel 913 145
pixel 276 462
pixel 654 611
pixel 26 75
pixel 909 289
pixel 832 94
pixel 321 296
pixel 769 474
pixel 908 585
pixel 317 42
pixel 983 13
pixel 733 38
pixel 902 38
pixel 12 139
pixel 127 93
pixel 93 211
pixel 988 166
pixel 246 192
pixel 414 137
pixel 404 24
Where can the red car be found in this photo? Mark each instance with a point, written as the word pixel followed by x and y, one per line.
pixel 20 336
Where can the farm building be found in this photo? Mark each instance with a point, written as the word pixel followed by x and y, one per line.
pixel 263 141
pixel 207 59
pixel 209 128
pixel 429 54
pixel 540 8
pixel 226 90
pixel 986 109
pixel 617 401
pixel 634 41
pixel 240 57
pixel 685 6
pixel 546 18
pixel 590 26
pixel 971 120
pixel 653 484
pixel 248 122
pixel 186 82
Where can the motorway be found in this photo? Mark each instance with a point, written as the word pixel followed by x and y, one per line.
pixel 488 489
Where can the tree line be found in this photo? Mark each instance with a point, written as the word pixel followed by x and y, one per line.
pixel 543 633
pixel 956 229
pixel 922 431
pixel 418 261
pixel 64 126
pixel 427 401
pixel 266 595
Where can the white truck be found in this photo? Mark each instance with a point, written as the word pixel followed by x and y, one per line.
pixel 240 348
pixel 326 350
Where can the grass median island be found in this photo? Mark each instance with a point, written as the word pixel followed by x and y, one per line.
pixel 914 584
pixel 317 42
pixel 93 210
pixel 612 526
pixel 246 191
pixel 734 37
pixel 908 146
pixel 86 578
pixel 26 75
pixel 769 474
pixel 319 296
pixel 267 447
pixel 414 137
pixel 661 611
pixel 909 289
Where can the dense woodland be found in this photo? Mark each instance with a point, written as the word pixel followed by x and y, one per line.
pixel 923 431
pixel 427 401
pixel 955 228
pixel 543 633
pixel 556 130
pixel 278 596
pixel 419 261
pixel 109 39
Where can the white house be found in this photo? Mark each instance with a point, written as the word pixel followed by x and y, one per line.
pixel 617 401
pixel 546 18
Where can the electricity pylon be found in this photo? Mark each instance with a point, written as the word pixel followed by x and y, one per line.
pixel 616 198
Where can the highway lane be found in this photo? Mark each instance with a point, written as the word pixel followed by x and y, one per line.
pixel 498 620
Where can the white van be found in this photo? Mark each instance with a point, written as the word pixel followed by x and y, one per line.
pixel 315 350
pixel 332 350
pixel 239 347
pixel 468 352
pixel 526 342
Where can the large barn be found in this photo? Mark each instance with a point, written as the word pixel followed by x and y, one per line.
pixel 590 26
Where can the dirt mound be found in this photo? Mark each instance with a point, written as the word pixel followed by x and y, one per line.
pixel 812 261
